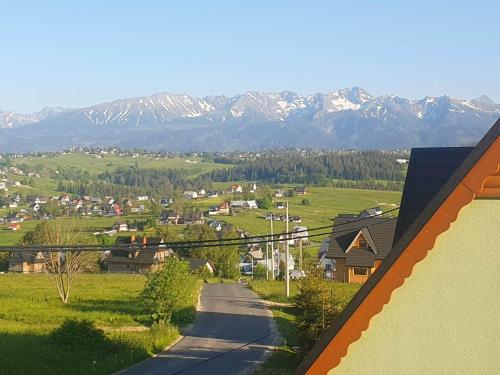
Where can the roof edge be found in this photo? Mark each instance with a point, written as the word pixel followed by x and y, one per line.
pixel 413 246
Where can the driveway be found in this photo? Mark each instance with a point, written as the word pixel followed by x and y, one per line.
pixel 229 317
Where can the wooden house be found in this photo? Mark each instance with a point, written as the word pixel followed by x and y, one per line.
pixel 359 245
pixel 143 255
pixel 432 306
pixel 26 262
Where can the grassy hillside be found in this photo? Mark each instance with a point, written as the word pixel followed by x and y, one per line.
pixel 30 310
pixel 109 162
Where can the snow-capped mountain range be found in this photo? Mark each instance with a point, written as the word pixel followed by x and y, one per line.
pixel 348 118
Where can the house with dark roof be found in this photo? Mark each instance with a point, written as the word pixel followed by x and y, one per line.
pixel 359 245
pixel 26 262
pixel 199 264
pixel 137 255
pixel 432 306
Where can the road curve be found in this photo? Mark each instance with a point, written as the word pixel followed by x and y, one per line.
pixel 229 316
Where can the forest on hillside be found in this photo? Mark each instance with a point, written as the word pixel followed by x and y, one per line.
pixel 293 167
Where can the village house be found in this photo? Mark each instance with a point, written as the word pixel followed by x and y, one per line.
pixel 327 264
pixel 280 205
pixel 26 262
pixel 170 217
pixel 121 226
pixel 200 264
pixel 236 188
pixel 278 193
pixel 192 218
pixel 299 234
pixel 432 307
pixel 358 247
pixel 213 210
pixel 369 212
pixel 301 190
pixel 224 208
pixel 166 201
pixel 14 226
pixel 142 198
pixel 144 255
pixel 252 187
pixel 190 194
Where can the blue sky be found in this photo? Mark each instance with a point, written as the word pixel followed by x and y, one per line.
pixel 78 53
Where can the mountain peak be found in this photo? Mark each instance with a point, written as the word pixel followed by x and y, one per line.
pixel 483 99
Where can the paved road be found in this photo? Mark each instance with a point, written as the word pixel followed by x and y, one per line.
pixel 229 316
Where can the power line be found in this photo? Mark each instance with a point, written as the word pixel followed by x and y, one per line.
pixel 176 245
pixel 218 241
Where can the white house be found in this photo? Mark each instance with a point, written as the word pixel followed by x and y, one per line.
pixel 251 204
pixel 238 204
pixel 236 188
pixel 190 194
pixel 328 264
pixel 213 210
pixel 142 198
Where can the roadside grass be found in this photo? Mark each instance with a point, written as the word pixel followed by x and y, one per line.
pixel 289 352
pixel 30 310
pixel 275 290
pixel 287 355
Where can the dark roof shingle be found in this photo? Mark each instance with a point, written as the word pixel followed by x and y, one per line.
pixel 428 171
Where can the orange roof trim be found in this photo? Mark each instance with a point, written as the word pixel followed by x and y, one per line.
pixel 482 180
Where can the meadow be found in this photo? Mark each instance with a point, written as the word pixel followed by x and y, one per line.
pixel 110 162
pixel 30 310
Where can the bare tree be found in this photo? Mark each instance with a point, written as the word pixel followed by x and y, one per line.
pixel 64 266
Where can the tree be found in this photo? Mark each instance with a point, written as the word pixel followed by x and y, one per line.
pixel 51 208
pixel 316 304
pixel 166 291
pixel 264 203
pixel 64 267
pixel 305 202
pixel 259 272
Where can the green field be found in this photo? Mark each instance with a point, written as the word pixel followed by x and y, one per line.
pixel 109 162
pixel 326 204
pixel 275 290
pixel 30 310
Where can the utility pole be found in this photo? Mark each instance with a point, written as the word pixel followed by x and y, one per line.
pixel 267 259
pixel 272 248
pixel 287 251
pixel 300 255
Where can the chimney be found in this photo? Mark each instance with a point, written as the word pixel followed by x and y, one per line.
pixel 144 240
pixel 132 238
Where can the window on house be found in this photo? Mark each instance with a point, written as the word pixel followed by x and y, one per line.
pixel 328 267
pixel 360 271
pixel 363 243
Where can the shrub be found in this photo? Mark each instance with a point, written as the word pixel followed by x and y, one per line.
pixel 167 291
pixel 264 203
pixel 79 333
pixel 259 272
pixel 317 306
pixel 305 202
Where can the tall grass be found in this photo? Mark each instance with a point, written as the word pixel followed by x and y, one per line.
pixel 30 311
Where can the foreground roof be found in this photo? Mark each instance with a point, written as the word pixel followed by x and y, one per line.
pixel 476 177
